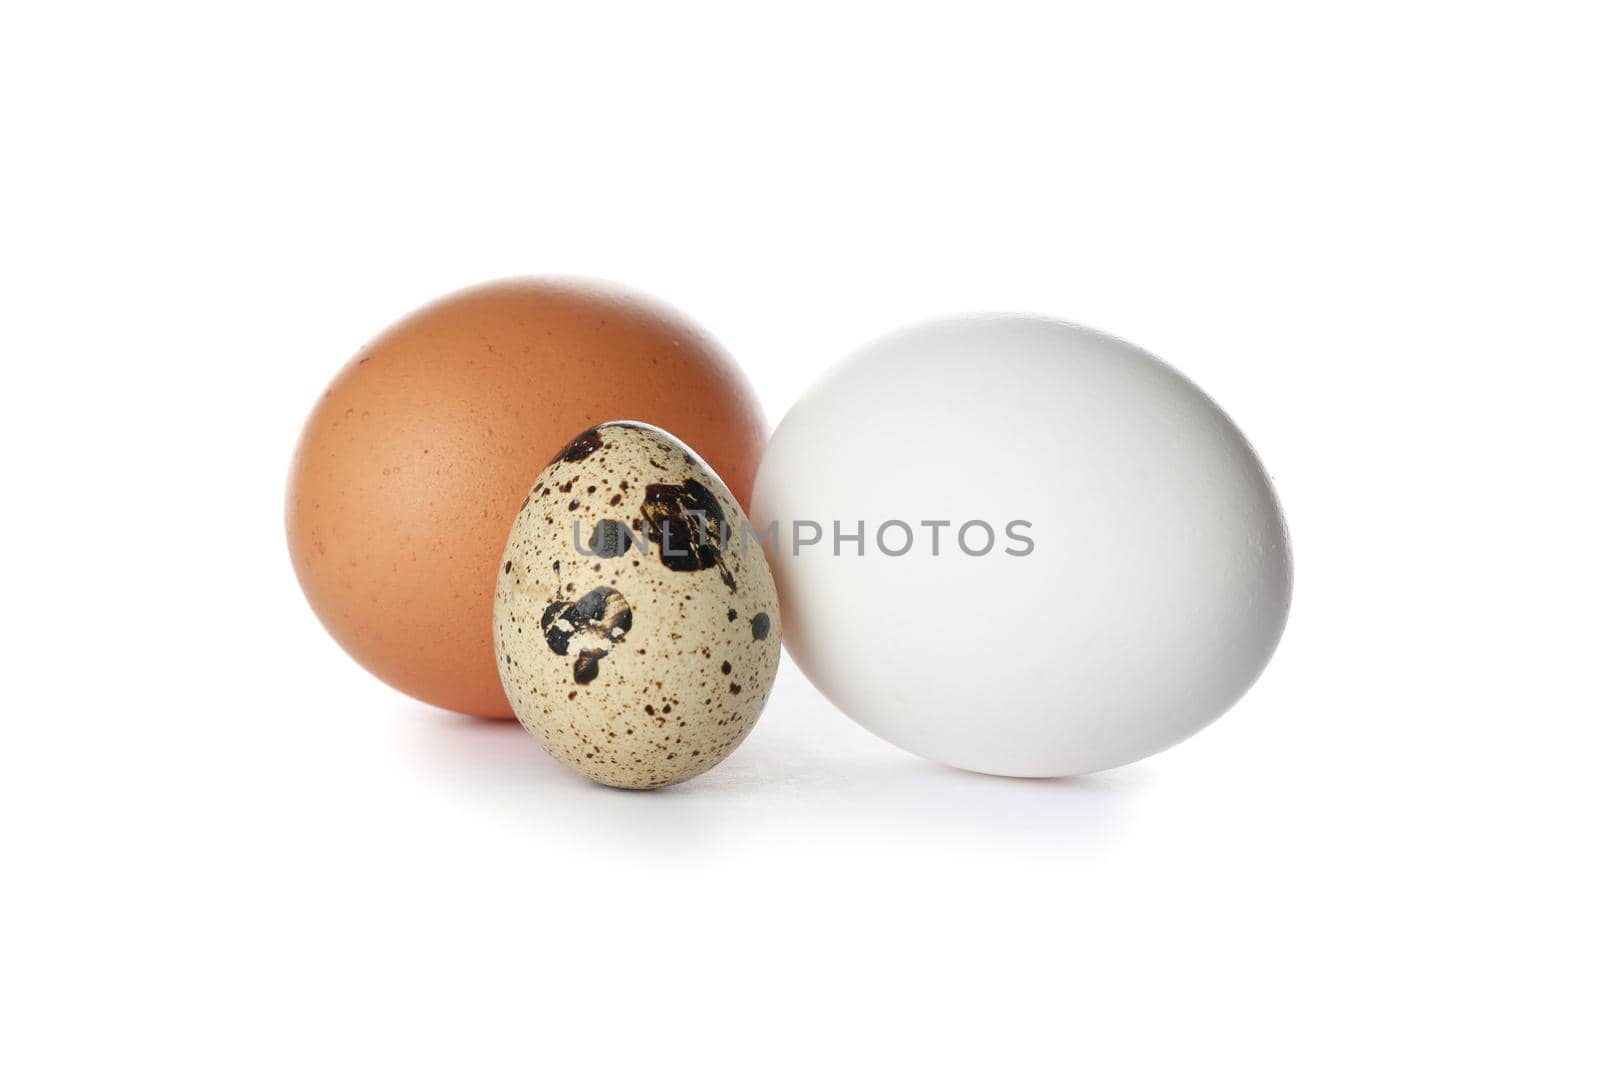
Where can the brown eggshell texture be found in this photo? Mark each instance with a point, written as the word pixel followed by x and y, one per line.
pixel 414 462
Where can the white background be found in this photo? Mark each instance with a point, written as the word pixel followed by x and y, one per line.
pixel 1368 229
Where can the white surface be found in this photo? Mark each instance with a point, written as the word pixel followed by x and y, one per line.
pixel 1369 232
pixel 1065 556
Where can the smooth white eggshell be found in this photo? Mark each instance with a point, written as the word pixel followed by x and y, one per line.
pixel 1154 595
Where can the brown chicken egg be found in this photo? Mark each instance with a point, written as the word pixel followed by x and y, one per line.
pixel 416 458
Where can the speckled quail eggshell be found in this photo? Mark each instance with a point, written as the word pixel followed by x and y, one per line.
pixel 636 662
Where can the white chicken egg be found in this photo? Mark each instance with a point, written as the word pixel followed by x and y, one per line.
pixel 1023 547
